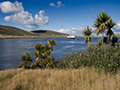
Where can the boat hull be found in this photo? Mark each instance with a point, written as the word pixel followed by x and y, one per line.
pixel 71 37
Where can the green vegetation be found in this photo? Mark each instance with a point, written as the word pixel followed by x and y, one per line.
pixel 104 22
pixel 42 54
pixel 87 32
pixel 12 32
pixel 105 58
pixel 26 59
pixel 102 57
pixel 110 25
pixel 97 68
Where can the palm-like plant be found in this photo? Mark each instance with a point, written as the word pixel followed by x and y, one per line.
pixel 96 25
pixel 51 42
pixel 100 23
pixel 87 32
pixel 26 59
pixel 39 47
pixel 46 51
pixel 43 52
pixel 110 25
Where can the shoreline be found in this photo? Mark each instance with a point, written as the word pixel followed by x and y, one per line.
pixel 19 37
pixel 52 36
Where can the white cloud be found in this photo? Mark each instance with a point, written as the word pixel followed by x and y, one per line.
pixel 59 4
pixel 78 31
pixel 118 25
pixel 8 7
pixel 75 31
pixel 41 19
pixel 31 26
pixel 7 18
pixel 52 4
pixel 24 17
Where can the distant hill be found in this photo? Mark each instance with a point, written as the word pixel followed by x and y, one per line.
pixel 13 32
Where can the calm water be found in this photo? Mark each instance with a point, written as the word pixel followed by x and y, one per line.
pixel 12 49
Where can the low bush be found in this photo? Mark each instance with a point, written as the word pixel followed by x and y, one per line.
pixel 103 58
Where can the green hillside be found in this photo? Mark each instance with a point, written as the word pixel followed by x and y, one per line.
pixel 13 32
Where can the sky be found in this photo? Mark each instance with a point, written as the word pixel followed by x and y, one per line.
pixel 66 16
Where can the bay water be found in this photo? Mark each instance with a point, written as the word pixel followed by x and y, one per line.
pixel 12 49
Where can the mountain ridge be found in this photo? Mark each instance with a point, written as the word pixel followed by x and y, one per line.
pixel 14 32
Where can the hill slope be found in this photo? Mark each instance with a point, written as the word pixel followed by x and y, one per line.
pixel 13 32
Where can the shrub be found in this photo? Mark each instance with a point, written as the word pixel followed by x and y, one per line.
pixel 42 54
pixel 26 60
pixel 103 58
pixel 43 58
pixel 114 40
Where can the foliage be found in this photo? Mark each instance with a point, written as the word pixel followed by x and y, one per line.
pixel 20 65
pixel 38 54
pixel 89 45
pixel 51 42
pixel 26 60
pixel 87 32
pixel 43 60
pixel 103 58
pixel 48 62
pixel 106 40
pixel 98 44
pixel 104 22
pixel 87 39
pixel 114 40
pixel 110 25
pixel 100 23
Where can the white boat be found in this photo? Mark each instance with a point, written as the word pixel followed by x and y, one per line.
pixel 71 37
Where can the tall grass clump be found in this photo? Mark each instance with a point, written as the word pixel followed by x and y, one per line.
pixel 50 79
pixel 105 58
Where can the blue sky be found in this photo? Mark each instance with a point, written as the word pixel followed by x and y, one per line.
pixel 67 16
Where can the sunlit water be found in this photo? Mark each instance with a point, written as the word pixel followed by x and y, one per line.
pixel 12 49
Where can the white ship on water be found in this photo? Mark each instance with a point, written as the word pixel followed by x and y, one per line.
pixel 71 37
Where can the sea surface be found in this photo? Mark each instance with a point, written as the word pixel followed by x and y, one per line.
pixel 12 49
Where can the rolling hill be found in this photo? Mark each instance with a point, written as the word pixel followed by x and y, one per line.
pixel 13 32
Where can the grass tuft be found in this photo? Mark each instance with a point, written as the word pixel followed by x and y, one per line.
pixel 75 79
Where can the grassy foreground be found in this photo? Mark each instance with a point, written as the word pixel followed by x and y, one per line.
pixel 76 79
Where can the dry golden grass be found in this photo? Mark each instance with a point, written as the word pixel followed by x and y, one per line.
pixel 77 79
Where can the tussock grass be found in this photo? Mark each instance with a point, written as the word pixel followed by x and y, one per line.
pixel 75 79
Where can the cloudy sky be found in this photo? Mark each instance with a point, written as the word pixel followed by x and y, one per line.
pixel 67 16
